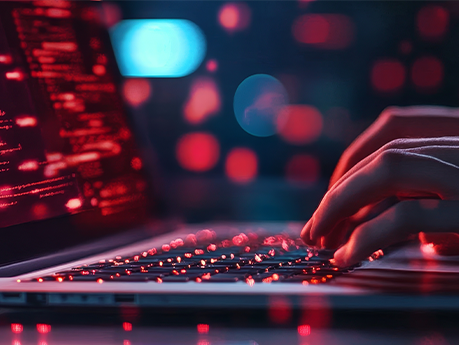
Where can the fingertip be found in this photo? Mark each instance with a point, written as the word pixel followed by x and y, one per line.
pixel 340 257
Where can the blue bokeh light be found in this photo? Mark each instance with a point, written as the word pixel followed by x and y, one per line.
pixel 257 103
pixel 165 48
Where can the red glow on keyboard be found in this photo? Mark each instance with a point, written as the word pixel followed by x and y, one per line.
pixel 61 46
pixel 203 328
pixel 126 342
pixel 60 279
pixel 43 328
pixel 26 121
pixel 15 75
pixel 250 282
pixel 304 330
pixel 73 204
pixel 29 166
pixel 40 280
pixel 16 328
pixel 100 281
pixel 127 326
pixel 6 59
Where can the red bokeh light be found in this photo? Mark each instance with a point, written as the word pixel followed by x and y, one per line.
pixel 405 47
pixel 198 151
pixel 203 328
pixel 43 328
pixel 299 124
pixel 212 65
pixel 16 328
pixel 327 31
pixel 427 73
pixel 27 121
pixel 136 163
pixel 279 310
pixel 303 168
pixel 388 75
pixel 304 330
pixel 6 59
pixel 241 165
pixel 136 91
pixel 127 326
pixel 432 22
pixel 98 69
pixel 234 16
pixel 110 14
pixel 14 75
pixel 73 204
pixel 204 101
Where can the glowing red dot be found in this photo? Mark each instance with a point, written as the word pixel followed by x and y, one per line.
pixel 73 204
pixel 234 16
pixel 43 328
pixel 16 328
pixel 110 14
pixel 136 91
pixel 203 328
pixel 388 75
pixel 304 330
pixel 432 22
pixel 303 168
pixel 327 31
pixel 212 65
pixel 299 124
pixel 241 165
pixel 203 102
pixel 427 73
pixel 198 151
pixel 127 326
pixel 136 163
pixel 311 29
pixel 98 69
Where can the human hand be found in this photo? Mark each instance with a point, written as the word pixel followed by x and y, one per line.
pixel 423 171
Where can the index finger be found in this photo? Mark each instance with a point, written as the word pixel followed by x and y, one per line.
pixel 394 173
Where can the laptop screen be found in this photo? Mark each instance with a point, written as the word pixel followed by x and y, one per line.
pixel 70 168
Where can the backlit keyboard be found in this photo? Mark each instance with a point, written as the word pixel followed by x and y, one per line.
pixel 250 258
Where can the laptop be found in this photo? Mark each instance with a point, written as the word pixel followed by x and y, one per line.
pixel 80 211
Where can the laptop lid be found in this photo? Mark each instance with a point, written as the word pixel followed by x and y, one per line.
pixel 71 170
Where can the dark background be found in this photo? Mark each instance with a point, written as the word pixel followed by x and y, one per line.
pixel 337 81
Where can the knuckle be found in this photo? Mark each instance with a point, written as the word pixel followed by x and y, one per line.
pixel 395 143
pixel 389 112
pixel 389 161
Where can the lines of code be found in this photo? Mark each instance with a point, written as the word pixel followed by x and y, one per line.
pixel 64 141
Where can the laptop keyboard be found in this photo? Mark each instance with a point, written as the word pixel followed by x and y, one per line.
pixel 249 258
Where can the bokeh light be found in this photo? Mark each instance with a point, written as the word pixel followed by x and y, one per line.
pixel 387 75
pixel 241 165
pixel 234 16
pixel 327 31
pixel 212 65
pixel 427 73
pixel 167 48
pixel 302 168
pixel 203 101
pixel 136 91
pixel 432 22
pixel 110 13
pixel 299 124
pixel 257 103
pixel 198 151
